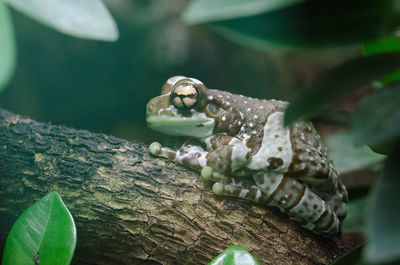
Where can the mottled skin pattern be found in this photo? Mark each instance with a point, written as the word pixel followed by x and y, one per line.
pixel 244 148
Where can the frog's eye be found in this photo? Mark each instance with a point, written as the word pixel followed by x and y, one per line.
pixel 184 96
pixel 213 110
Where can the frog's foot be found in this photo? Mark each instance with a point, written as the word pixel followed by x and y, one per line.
pixel 208 173
pixel 240 190
pixel 157 149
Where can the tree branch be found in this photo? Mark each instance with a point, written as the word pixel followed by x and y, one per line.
pixel 131 208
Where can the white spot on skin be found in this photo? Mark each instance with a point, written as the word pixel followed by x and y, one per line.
pixel 270 144
pixel 245 137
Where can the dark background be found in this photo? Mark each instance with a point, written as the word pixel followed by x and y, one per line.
pixel 104 87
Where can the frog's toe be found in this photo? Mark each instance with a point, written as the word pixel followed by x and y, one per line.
pixel 218 188
pixel 155 148
pixel 207 173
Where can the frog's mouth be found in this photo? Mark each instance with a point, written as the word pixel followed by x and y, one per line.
pixel 197 125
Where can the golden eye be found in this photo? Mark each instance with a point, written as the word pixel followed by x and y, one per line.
pixel 184 96
pixel 213 110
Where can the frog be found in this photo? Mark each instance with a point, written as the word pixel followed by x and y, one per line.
pixel 242 145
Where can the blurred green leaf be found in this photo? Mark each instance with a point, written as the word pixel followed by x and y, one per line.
pixel 353 257
pixel 383 226
pixel 355 219
pixel 313 23
pixel 346 156
pixel 234 255
pixel 376 119
pixel 334 117
pixel 44 234
pixel 202 11
pixel 387 79
pixel 7 46
pixel 388 44
pixel 80 18
pixel 338 81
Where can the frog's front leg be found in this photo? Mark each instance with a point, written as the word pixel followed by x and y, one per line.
pixel 214 165
pixel 189 155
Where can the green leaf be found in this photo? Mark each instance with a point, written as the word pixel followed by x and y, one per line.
pixel 355 219
pixel 313 23
pixel 383 228
pixel 7 47
pixel 202 11
pixel 80 18
pixel 44 232
pixel 234 255
pixel 376 119
pixel 347 157
pixel 388 44
pixel 387 79
pixel 339 81
pixel 353 257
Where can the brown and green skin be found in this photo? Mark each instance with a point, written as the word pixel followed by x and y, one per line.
pixel 238 122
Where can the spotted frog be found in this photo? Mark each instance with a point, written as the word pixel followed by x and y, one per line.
pixel 242 146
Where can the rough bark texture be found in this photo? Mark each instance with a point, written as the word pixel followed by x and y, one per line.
pixel 131 208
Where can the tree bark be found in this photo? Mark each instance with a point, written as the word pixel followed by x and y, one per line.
pixel 131 208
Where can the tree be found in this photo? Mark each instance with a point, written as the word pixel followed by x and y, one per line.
pixel 131 208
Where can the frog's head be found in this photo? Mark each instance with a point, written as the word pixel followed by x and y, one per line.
pixel 186 107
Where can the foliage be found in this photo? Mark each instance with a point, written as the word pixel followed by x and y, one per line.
pixel 339 81
pixel 234 255
pixel 45 233
pixel 7 46
pixel 383 124
pixel 370 24
pixel 351 258
pixel 384 217
pixel 292 23
pixel 81 18
pixel 347 156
